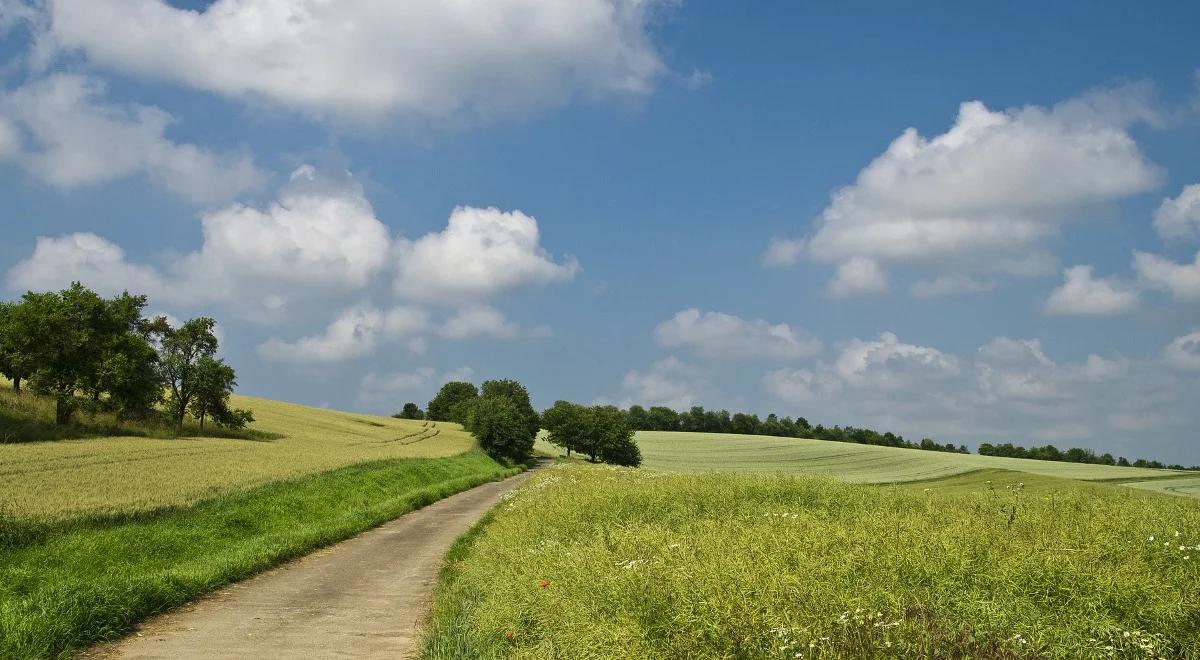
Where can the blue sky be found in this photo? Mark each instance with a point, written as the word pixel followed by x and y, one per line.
pixel 659 202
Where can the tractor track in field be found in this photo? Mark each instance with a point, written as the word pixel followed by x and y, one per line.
pixel 362 598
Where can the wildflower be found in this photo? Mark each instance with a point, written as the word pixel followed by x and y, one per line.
pixel 1177 533
pixel 545 584
pixel 1151 538
pixel 509 635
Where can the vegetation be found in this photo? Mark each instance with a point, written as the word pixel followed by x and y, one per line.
pixel 699 420
pixel 452 403
pixel 410 411
pixel 707 452
pixel 601 432
pixel 588 561
pixel 75 347
pixel 1072 455
pixel 111 571
pixel 118 476
pixel 503 420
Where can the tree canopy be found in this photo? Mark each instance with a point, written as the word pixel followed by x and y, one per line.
pixel 453 402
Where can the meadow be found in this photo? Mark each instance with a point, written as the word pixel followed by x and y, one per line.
pixel 596 562
pixel 701 452
pixel 93 476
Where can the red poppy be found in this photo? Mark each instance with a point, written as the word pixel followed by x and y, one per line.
pixel 509 635
pixel 544 584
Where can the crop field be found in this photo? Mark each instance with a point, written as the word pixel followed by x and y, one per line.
pixel 114 476
pixel 1178 486
pixel 706 452
pixel 590 561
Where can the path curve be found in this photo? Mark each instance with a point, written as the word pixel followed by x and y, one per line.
pixel 361 598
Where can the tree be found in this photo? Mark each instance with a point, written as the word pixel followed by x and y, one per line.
pixel 639 419
pixel 452 403
pixel 566 424
pixel 410 411
pixel 130 375
pixel 213 382
pixel 515 392
pixel 501 429
pixel 180 354
pixel 607 437
pixel 663 419
pixel 18 342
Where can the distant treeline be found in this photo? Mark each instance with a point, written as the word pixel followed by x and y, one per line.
pixel 1072 455
pixel 699 420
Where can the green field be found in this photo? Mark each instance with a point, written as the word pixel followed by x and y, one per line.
pixel 597 562
pixel 121 475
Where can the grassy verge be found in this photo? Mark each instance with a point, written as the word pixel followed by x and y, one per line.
pixel 64 586
pixel 600 562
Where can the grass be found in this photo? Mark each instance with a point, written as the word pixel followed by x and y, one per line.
pixel 115 476
pixel 595 562
pixel 66 584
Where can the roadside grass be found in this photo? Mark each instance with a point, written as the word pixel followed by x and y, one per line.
pixel 64 585
pixel 598 562
pixel 116 476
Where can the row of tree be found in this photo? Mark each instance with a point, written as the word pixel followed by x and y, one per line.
pixel 499 414
pixel 1072 455
pixel 699 420
pixel 602 433
pixel 74 343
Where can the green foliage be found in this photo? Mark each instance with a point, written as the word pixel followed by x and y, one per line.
pixel 565 423
pixel 598 562
pixel 213 382
pixel 452 403
pixel 410 411
pixel 110 572
pixel 501 429
pixel 180 355
pixel 515 392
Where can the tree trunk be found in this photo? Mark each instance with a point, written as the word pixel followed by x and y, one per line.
pixel 17 384
pixel 62 410
pixel 202 414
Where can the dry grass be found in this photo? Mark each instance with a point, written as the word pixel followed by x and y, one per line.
pixel 120 475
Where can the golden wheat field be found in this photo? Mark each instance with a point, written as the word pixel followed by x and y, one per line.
pixel 98 476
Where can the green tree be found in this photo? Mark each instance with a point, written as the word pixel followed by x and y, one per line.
pixel 18 341
pixel 607 437
pixel 212 383
pixel 129 374
pixel 639 419
pixel 501 429
pixel 180 353
pixel 452 403
pixel 565 424
pixel 410 411
pixel 515 392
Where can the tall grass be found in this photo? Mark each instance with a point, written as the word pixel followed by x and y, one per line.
pixel 70 584
pixel 585 562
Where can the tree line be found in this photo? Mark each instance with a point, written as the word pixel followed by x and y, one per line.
pixel 78 347
pixel 699 420
pixel 1072 455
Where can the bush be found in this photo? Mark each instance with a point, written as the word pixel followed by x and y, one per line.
pixel 501 429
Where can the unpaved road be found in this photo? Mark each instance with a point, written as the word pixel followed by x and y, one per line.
pixel 361 598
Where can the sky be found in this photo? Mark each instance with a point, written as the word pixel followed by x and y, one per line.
pixel 973 223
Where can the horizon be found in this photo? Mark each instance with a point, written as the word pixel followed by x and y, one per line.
pixel 969 225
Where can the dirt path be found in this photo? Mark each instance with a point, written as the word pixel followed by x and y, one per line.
pixel 362 598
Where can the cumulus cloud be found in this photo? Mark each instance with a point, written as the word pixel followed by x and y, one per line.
pixel 1182 281
pixel 720 335
pixel 1179 217
pixel 858 277
pixel 477 321
pixel 1008 390
pixel 355 333
pixel 319 238
pixel 79 138
pixel 669 382
pixel 371 58
pixel 481 253
pixel 983 196
pixel 1184 352
pixel 1083 295
pixel 381 391
pixel 950 285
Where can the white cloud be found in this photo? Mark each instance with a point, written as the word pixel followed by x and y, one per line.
pixel 84 257
pixel 784 252
pixel 715 334
pixel 1184 352
pixel 355 333
pixel 1181 280
pixel 320 238
pixel 983 196
pixel 950 285
pixel 478 321
pixel 1008 390
pixel 80 139
pixel 1083 295
pixel 386 391
pixel 371 58
pixel 397 382
pixel 1179 217
pixel 858 277
pixel 669 382
pixel 482 252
